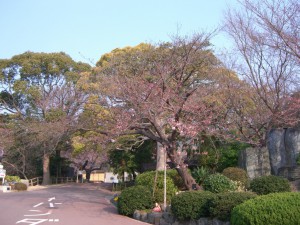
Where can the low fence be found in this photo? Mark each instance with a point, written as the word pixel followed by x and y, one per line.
pixel 35 181
pixel 60 180
pixel 55 180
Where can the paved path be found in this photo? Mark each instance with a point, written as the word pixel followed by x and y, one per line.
pixel 68 204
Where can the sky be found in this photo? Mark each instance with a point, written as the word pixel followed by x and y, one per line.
pixel 87 29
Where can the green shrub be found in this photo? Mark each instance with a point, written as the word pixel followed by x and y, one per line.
pixel 20 187
pixel 217 183
pixel 269 184
pixel 191 205
pixel 200 173
pixel 12 179
pixel 178 181
pixel 221 206
pixel 275 209
pixel 134 198
pixel 237 174
pixel 147 179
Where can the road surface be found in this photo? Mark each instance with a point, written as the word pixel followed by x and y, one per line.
pixel 67 204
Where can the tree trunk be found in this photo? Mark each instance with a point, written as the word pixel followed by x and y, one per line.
pixel 46 169
pixel 182 169
pixel 189 181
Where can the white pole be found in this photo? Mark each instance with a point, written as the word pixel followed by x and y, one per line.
pixel 165 179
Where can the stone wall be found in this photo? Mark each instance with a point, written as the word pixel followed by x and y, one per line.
pixel 279 158
pixel 166 218
pixel 255 161
pixel 284 147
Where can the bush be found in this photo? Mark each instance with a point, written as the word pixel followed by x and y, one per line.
pixel 147 179
pixel 221 206
pixel 12 179
pixel 134 198
pixel 237 174
pixel 269 184
pixel 275 209
pixel 217 183
pixel 178 181
pixel 20 187
pixel 191 205
pixel 230 154
pixel 200 174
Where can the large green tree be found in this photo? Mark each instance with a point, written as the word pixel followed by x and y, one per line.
pixel 39 92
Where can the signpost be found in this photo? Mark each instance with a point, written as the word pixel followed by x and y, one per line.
pixel 2 173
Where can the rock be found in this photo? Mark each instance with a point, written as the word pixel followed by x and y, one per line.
pixel 204 221
pixel 291 173
pixel 292 146
pixel 168 217
pixel 154 217
pixel 136 215
pixel 255 161
pixel 284 148
pixel 144 217
pixel 164 222
pixel 220 222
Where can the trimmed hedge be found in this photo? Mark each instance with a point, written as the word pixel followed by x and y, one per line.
pixel 20 187
pixel 221 206
pixel 275 209
pixel 269 184
pixel 218 183
pixel 134 198
pixel 147 179
pixel 191 205
pixel 237 174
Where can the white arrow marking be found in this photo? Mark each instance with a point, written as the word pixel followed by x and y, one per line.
pixel 50 199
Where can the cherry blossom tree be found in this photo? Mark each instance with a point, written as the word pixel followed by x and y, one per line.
pixel 168 93
pixel 266 45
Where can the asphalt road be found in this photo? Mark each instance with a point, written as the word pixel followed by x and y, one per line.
pixel 78 204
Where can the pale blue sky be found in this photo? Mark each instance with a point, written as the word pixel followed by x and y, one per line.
pixel 86 29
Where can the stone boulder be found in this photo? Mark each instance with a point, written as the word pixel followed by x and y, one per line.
pixel 255 161
pixel 284 148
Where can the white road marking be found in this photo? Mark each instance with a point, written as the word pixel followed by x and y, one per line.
pixel 50 199
pixel 38 204
pixel 32 221
pixel 44 214
pixel 53 220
